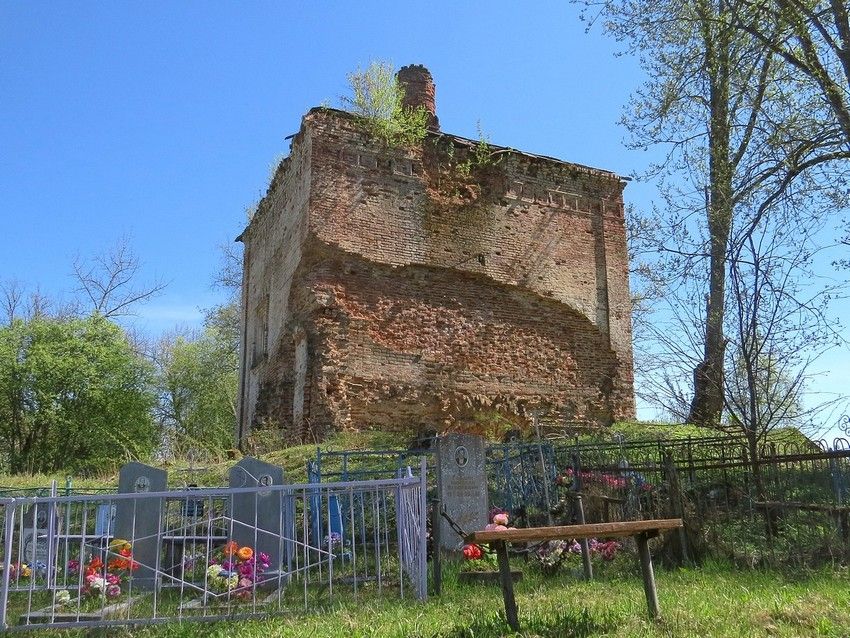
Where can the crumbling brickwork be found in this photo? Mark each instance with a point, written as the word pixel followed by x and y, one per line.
pixel 441 286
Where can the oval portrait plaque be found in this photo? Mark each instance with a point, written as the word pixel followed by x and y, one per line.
pixel 461 455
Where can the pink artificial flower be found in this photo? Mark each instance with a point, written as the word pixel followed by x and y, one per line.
pixel 113 591
pixel 501 519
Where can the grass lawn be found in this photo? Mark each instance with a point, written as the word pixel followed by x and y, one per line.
pixel 714 600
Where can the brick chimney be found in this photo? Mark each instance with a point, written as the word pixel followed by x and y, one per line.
pixel 419 90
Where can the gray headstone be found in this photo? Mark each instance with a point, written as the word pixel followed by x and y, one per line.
pixel 139 520
pixel 462 485
pixel 36 547
pixel 257 520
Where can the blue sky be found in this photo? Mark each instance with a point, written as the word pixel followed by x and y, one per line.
pixel 160 121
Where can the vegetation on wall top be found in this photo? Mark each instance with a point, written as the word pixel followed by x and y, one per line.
pixel 377 98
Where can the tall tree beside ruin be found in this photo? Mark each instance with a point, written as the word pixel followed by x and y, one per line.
pixel 705 89
pixel 715 98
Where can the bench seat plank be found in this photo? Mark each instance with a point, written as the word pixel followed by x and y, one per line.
pixel 568 532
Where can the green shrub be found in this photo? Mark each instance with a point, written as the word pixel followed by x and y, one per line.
pixel 378 99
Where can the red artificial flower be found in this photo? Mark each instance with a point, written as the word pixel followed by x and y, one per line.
pixel 472 552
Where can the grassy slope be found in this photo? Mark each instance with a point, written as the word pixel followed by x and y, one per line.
pixel 214 472
pixel 294 459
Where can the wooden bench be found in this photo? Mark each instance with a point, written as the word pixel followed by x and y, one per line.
pixel 641 530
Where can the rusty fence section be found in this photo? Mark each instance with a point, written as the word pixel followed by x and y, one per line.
pixel 209 554
pixel 787 503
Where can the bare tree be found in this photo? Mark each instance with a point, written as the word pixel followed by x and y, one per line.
pixel 11 297
pixel 777 326
pixel 108 281
pixel 229 274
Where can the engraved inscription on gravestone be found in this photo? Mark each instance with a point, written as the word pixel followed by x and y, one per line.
pixel 462 485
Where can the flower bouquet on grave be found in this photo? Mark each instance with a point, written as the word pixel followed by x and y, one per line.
pixel 101 581
pixel 478 559
pixel 234 571
pixel 479 563
pixel 338 547
pixel 24 574
pixel 552 554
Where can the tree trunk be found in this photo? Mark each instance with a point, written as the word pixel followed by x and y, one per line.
pixel 707 404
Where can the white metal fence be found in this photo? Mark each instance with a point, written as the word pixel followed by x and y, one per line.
pixel 208 554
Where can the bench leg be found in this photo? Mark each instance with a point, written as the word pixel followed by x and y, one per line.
pixel 648 575
pixel 507 583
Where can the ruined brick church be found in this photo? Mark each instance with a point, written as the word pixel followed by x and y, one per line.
pixel 445 286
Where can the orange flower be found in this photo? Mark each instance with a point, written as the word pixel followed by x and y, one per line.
pixel 245 553
pixel 96 563
pixel 230 548
pixel 119 563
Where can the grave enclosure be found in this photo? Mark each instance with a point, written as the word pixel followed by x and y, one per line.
pixel 333 539
pixel 258 546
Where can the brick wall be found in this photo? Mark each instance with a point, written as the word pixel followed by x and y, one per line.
pixel 434 287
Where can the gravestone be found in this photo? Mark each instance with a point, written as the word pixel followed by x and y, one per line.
pixel 40 523
pixel 139 520
pixel 462 486
pixel 257 519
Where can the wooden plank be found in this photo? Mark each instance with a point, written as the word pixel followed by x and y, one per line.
pixel 569 532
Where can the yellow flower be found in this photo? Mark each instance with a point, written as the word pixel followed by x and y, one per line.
pixel 26 572
pixel 117 544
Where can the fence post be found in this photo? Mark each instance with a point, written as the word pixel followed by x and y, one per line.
pixel 9 510
pixel 585 546
pixel 544 473
pixel 676 504
pixel 423 536
pixel 436 554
